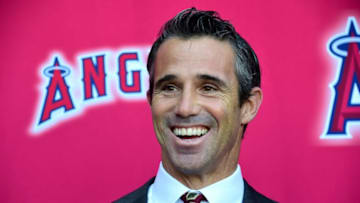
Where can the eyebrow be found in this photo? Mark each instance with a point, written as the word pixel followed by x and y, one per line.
pixel 215 79
pixel 205 77
pixel 165 79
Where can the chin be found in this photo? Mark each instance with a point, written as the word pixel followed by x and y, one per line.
pixel 190 165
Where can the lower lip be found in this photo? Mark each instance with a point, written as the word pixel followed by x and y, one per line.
pixel 189 137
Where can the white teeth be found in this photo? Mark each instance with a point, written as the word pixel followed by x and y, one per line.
pixel 198 131
pixel 183 131
pixel 189 131
pixel 203 131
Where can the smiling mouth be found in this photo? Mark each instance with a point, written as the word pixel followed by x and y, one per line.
pixel 189 132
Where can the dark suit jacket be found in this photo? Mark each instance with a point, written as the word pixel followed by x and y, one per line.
pixel 140 195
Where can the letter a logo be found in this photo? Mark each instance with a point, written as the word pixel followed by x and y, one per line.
pixel 57 95
pixel 346 102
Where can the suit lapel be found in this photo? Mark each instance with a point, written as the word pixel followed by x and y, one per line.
pixel 248 193
pixel 252 196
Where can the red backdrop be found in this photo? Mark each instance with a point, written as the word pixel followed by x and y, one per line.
pixel 104 147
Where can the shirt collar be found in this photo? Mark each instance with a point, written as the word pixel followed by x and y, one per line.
pixel 167 189
pixel 230 189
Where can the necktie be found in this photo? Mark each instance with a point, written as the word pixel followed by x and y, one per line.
pixel 193 197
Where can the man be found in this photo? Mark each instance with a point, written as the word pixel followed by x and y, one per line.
pixel 204 89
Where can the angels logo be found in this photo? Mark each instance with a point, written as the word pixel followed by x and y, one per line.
pixel 57 85
pixel 66 92
pixel 345 110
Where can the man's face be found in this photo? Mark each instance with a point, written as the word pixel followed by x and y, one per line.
pixel 195 105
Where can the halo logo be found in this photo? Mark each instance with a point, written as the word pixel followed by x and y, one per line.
pixel 57 86
pixel 66 92
pixel 345 107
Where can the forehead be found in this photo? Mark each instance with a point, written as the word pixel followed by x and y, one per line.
pixel 196 55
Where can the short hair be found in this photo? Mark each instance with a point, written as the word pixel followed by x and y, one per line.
pixel 195 23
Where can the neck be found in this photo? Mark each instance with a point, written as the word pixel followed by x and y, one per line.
pixel 198 181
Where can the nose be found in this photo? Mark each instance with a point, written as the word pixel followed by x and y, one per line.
pixel 187 104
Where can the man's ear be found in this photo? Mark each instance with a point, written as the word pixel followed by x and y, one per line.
pixel 148 97
pixel 251 106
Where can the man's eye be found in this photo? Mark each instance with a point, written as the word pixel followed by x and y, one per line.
pixel 169 88
pixel 209 88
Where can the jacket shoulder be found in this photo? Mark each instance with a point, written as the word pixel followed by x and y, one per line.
pixel 253 196
pixel 137 196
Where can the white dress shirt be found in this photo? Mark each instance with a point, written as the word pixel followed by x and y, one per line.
pixel 167 189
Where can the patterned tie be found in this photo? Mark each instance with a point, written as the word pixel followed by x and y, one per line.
pixel 193 197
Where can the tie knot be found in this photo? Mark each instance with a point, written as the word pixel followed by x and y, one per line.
pixel 193 197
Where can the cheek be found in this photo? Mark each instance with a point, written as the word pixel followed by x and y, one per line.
pixel 226 113
pixel 160 106
pixel 221 109
pixel 158 127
